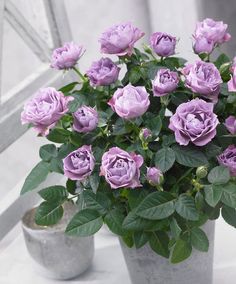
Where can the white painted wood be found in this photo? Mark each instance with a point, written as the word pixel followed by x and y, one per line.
pixel 26 31
pixel 1 40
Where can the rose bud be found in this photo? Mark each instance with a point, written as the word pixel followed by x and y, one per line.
pixel 85 119
pixel 44 110
pixel 79 164
pixel 203 78
pixel 230 124
pixel 203 45
pixel 130 102
pixel 163 44
pixel 165 82
pixel 154 176
pixel 66 57
pixel 194 122
pixel 103 72
pixel 145 134
pixel 201 172
pixel 232 82
pixel 228 159
pixel 121 169
pixel 120 39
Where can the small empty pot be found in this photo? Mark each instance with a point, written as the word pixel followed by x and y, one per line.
pixel 61 256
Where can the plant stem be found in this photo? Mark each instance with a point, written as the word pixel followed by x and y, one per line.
pixel 80 74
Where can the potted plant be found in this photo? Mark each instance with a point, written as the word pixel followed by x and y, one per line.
pixel 153 155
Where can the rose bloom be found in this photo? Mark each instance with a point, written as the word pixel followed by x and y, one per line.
pixel 85 119
pixel 163 44
pixel 130 102
pixel 44 110
pixel 121 169
pixel 214 32
pixel 66 57
pixel 203 78
pixel 230 124
pixel 120 39
pixel 79 164
pixel 232 82
pixel 154 176
pixel 165 82
pixel 228 159
pixel 194 122
pixel 103 72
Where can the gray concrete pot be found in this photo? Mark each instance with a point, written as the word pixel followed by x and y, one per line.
pixel 60 256
pixel 146 267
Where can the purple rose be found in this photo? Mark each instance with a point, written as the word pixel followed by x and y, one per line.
pixel 45 109
pixel 120 39
pixel 121 169
pixel 230 124
pixel 165 82
pixel 194 122
pixel 203 45
pixel 103 72
pixel 163 44
pixel 66 56
pixel 203 78
pixel 79 164
pixel 232 82
pixel 154 176
pixel 85 119
pixel 214 33
pixel 228 159
pixel 130 102
pixel 145 133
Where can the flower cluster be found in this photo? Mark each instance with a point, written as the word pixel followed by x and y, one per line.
pixel 148 148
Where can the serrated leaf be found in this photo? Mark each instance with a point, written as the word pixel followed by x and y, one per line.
pixel 135 223
pixel 219 175
pixel 58 135
pixel 69 87
pixel 94 180
pixel 140 239
pixel 85 223
pixel 175 228
pixel 229 215
pixel 199 239
pixel 155 125
pixel 213 194
pixel 189 156
pixel 135 197
pixel 156 206
pixel 181 251
pixel 54 194
pixel 159 243
pixel 186 208
pixel 99 201
pixel 164 159
pixel 229 195
pixel 35 177
pixel 48 213
pixel 47 152
pixel 114 220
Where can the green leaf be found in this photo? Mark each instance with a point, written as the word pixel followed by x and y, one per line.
pixel 159 243
pixel 213 194
pixel 164 159
pixel 229 215
pixel 94 180
pixel 47 152
pixel 128 240
pixel 199 239
pixel 71 186
pixel 85 223
pixel 99 201
pixel 212 150
pixel 114 220
pixel 156 206
pixel 181 251
pixel 175 229
pixel 135 197
pixel 222 59
pixel 219 175
pixel 68 88
pixel 135 223
pixel 134 75
pixel 48 213
pixel 189 156
pixel 59 135
pixel 35 177
pixel 155 125
pixel 54 194
pixel 186 208
pixel 140 239
pixel 229 195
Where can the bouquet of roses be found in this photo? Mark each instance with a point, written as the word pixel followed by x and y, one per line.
pixel 153 154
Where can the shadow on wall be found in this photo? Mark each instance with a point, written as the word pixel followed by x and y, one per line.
pixel 224 10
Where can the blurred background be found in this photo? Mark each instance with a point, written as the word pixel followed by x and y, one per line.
pixel 29 30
